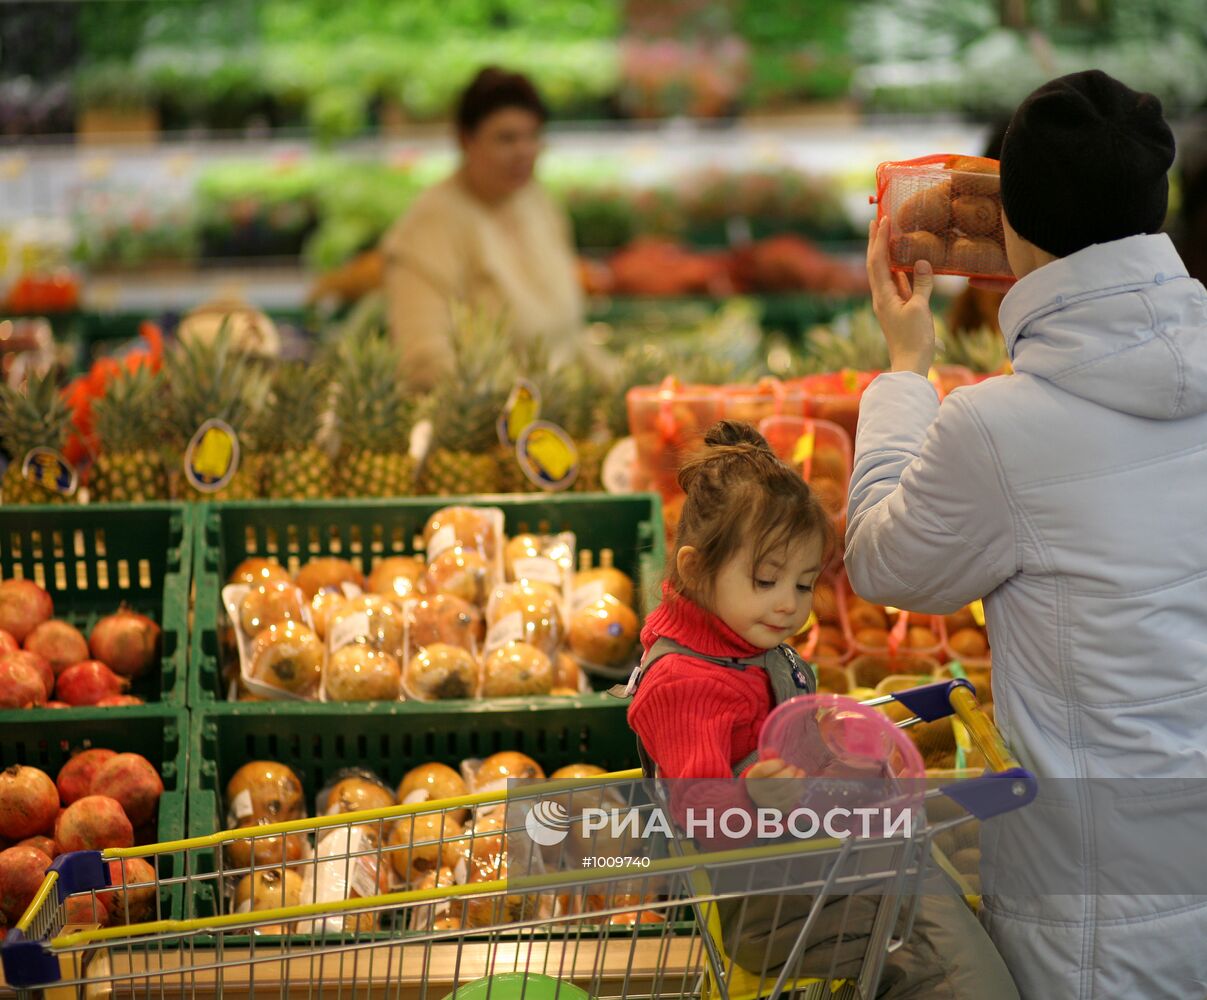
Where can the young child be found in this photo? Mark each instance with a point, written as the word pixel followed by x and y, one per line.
pixel 751 543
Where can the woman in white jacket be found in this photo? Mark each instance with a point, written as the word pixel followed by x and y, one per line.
pixel 1071 496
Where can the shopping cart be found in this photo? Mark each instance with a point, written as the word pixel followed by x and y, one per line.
pixel 522 914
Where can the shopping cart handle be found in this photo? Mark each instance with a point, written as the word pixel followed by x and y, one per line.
pixel 26 962
pixel 931 701
pixel 80 871
pixel 994 792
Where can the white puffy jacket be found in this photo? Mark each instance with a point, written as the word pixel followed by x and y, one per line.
pixel 1072 495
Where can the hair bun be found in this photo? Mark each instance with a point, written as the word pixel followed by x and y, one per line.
pixel 730 433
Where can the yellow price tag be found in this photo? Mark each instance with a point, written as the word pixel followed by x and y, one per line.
pixel 214 453
pixel 809 623
pixel 551 453
pixel 977 608
pixel 802 451
pixel 523 413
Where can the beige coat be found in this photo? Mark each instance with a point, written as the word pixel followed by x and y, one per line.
pixel 450 246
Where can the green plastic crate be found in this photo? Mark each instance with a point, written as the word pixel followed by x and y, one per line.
pixel 367 530
pixel 159 734
pixel 94 558
pixel 319 740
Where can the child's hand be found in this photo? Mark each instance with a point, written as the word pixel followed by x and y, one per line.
pixel 774 794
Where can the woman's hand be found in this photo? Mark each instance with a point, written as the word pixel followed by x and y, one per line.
pixel 768 793
pixel 904 313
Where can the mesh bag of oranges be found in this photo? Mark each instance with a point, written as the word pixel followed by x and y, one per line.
pixel 947 210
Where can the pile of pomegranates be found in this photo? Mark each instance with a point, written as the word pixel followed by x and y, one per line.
pixel 101 799
pixel 48 662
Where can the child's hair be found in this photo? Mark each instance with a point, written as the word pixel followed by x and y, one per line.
pixel 738 490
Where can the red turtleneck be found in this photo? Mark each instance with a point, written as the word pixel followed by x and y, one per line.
pixel 695 718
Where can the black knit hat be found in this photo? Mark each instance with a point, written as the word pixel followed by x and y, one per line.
pixel 1085 161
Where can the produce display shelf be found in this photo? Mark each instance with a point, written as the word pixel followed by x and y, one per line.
pixel 317 741
pixel 160 734
pixel 365 531
pixel 93 559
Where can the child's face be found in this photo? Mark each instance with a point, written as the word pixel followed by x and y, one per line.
pixel 767 604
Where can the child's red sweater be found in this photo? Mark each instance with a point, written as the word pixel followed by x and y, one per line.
pixel 698 719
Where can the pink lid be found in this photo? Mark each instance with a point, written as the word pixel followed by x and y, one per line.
pixel 852 755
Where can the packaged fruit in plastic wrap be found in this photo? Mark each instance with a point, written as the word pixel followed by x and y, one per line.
pixel 889 632
pixel 603 636
pixel 835 396
pixel 398 577
pixel 947 210
pixel 464 551
pixel 440 652
pixel 366 640
pixel 532 612
pixel 967 639
pixel 820 450
pixel 280 654
pixel 592 583
pixel 263 792
pixel 752 404
pixel 547 559
pixel 668 422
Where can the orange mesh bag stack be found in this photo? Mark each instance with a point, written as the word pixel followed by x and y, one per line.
pixel 947 210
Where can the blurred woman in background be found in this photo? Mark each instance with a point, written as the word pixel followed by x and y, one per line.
pixel 488 236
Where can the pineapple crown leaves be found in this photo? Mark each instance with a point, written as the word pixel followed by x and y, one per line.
pixel 373 407
pixel 571 397
pixel 298 401
pixel 465 405
pixel 213 380
pixel 36 416
pixel 127 417
pixel 982 350
pixel 852 340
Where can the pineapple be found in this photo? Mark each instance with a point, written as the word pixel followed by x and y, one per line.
pixel 215 380
pixel 465 407
pixel 127 422
pixel 852 340
pixel 37 417
pixel 295 467
pixel 982 350
pixel 374 414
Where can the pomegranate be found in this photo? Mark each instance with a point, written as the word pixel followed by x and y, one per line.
pixel 7 643
pixel 127 641
pixel 21 686
pixel 21 872
pixel 136 902
pixel 88 682
pixel 29 802
pixel 75 777
pixel 60 642
pixel 38 662
pixel 119 699
pixel 41 843
pixel 92 824
pixel 85 910
pixel 134 782
pixel 23 607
